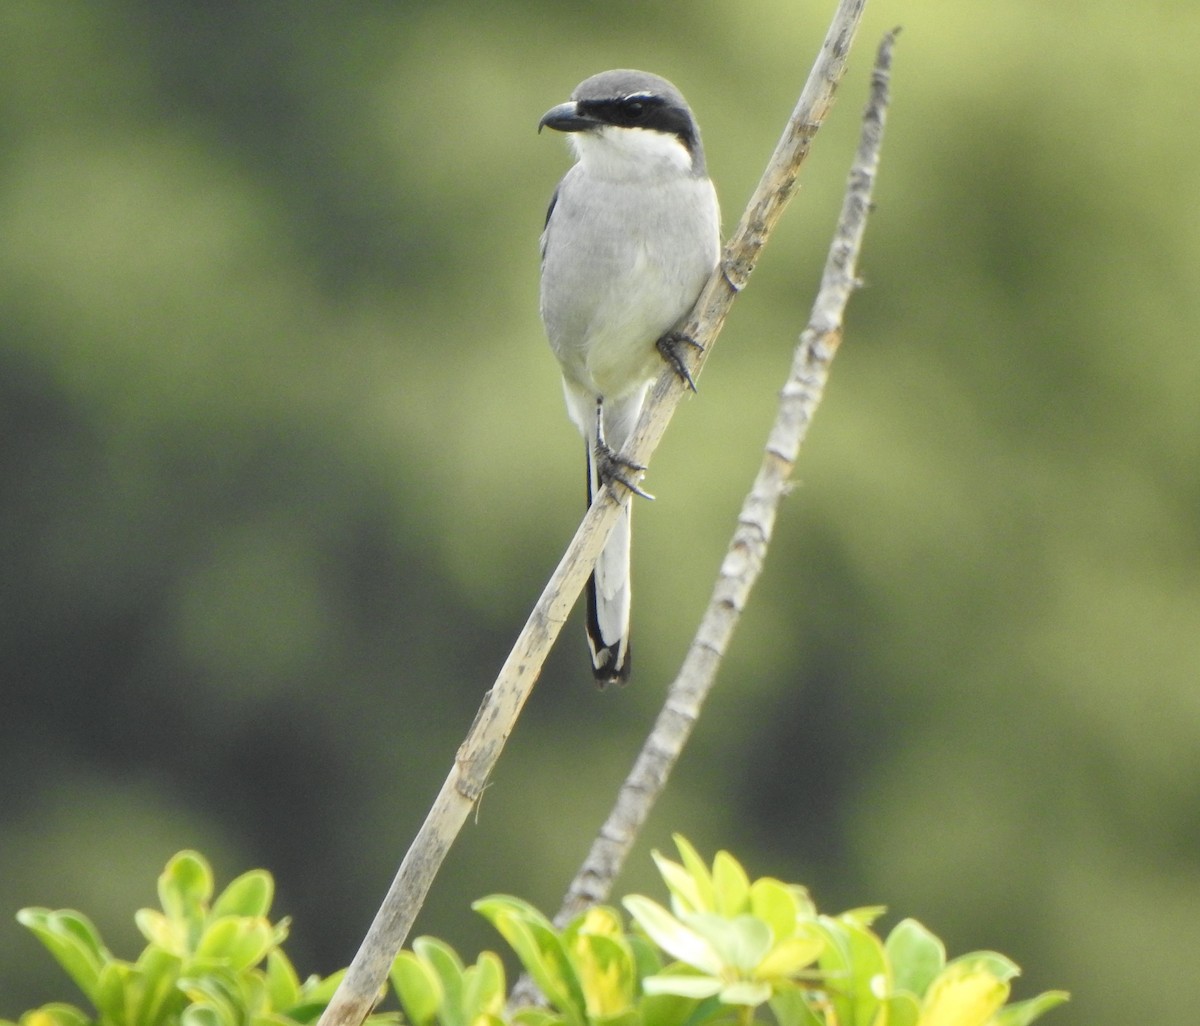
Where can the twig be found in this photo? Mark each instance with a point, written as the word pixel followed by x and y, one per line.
pixel 744 559
pixel 497 714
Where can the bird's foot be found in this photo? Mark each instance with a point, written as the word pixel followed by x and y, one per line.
pixel 671 346
pixel 612 466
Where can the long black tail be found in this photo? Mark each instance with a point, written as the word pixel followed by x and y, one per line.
pixel 608 598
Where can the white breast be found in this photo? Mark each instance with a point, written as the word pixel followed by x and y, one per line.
pixel 632 238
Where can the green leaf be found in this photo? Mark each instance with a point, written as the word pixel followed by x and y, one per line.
pixel 698 871
pixel 731 886
pixel 745 992
pixel 788 957
pixel 604 961
pixel 965 993
pixel 540 950
pixel 916 956
pixel 448 968
pixel 56 1014
pixel 741 943
pixel 605 969
pixel 630 1017
pixel 418 987
pixel 112 993
pixel 535 1016
pixel 151 994
pixel 668 1009
pixel 484 992
pixel 1000 966
pixel 685 895
pixel 864 916
pixel 73 941
pixel 791 1008
pixel 682 985
pixel 219 989
pixel 168 934
pixel 283 983
pixel 774 903
pixel 318 990
pixel 676 939
pixel 1021 1013
pixel 306 1011
pixel 202 1015
pixel 902 1010
pixel 250 894
pixel 184 888
pixel 600 920
pixel 852 959
pixel 647 959
pixel 237 941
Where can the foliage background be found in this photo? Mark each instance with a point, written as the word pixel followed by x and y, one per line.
pixel 284 464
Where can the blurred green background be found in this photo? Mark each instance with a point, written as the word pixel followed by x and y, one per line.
pixel 284 464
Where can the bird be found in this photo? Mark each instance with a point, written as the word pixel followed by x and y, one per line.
pixel 631 235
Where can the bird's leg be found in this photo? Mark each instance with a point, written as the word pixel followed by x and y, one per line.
pixel 671 346
pixel 611 465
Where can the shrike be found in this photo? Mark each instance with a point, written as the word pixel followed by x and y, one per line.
pixel 632 233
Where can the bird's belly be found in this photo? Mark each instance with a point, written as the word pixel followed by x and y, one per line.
pixel 632 269
pixel 615 348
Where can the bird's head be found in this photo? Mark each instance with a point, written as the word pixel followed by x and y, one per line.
pixel 625 123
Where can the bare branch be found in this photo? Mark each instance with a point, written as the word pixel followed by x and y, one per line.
pixel 744 558
pixel 502 704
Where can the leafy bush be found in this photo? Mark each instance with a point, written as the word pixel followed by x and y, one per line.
pixel 728 951
pixel 206 963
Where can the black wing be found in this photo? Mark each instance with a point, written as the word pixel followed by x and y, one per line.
pixel 549 211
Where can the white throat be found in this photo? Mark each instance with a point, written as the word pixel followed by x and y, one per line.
pixel 613 152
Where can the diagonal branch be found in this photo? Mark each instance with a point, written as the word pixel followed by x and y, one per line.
pixel 744 559
pixel 766 206
pixel 502 704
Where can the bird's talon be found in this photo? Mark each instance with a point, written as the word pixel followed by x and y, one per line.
pixel 670 345
pixel 613 467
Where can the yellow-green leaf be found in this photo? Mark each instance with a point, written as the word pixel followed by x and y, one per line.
pixel 685 893
pixel 902 1010
pixel 1021 1013
pixel 237 941
pixel 283 982
pixel 774 903
pixel 150 992
pixel 916 956
pixel 418 988
pixel 604 966
pixel 538 946
pixel 741 942
pixel 744 992
pixel 484 991
pixel 168 934
pixel 672 936
pixel 445 963
pixel 248 895
pixel 788 957
pixel 731 885
pixel 696 867
pixel 963 995
pixel 682 985
pixel 73 941
pixel 185 886
pixel 56 1014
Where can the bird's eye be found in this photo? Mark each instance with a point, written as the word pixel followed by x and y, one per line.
pixel 633 109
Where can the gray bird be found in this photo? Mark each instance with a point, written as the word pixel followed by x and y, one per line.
pixel 632 233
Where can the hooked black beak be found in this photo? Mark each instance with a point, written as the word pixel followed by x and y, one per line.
pixel 566 118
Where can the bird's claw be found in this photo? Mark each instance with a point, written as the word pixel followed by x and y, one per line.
pixel 612 466
pixel 671 346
